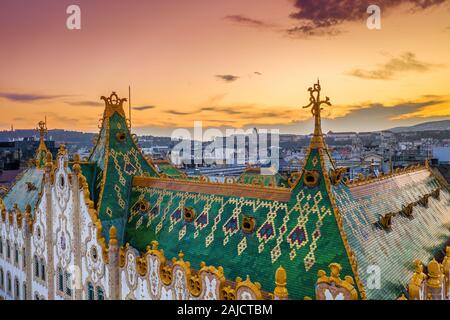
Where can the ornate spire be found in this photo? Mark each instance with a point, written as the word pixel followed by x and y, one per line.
pixel 42 128
pixel 314 104
pixel 113 104
pixel 42 148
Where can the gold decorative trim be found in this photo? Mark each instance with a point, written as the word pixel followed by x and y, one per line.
pixel 217 188
pixel 255 287
pixel 83 185
pixel 227 289
pixel 105 162
pixel 315 104
pixel 334 278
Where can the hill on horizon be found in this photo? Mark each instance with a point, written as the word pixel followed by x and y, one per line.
pixel 425 126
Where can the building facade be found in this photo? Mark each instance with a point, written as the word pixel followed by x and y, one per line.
pixel 120 226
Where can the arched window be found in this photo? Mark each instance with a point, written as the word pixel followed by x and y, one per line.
pixel 60 280
pixel 16 255
pixel 8 250
pixel 68 284
pixel 8 283
pixel 2 279
pixel 16 289
pixel 36 266
pixel 25 291
pixel 43 275
pixel 100 294
pixel 90 291
pixel 24 259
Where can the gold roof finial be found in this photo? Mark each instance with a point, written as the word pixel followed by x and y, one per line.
pixel 113 104
pixel 42 148
pixel 280 281
pixel 42 128
pixel 113 235
pixel 315 105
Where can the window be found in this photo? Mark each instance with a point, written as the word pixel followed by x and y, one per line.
pixel 61 181
pixel 60 280
pixel 90 291
pixel 2 279
pixel 8 250
pixel 24 259
pixel 36 266
pixel 43 275
pixel 16 289
pixel 9 285
pixel 25 291
pixel 100 294
pixel 16 255
pixel 1 246
pixel 68 284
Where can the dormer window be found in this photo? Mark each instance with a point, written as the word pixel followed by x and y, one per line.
pixel 189 214
pixel 8 250
pixel 31 186
pixel 386 221
pixel 248 224
pixel 311 178
pixel 121 136
pixel 144 205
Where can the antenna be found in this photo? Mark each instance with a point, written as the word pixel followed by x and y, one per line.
pixel 129 105
pixel 46 131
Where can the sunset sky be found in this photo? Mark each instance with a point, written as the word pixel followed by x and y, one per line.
pixel 233 63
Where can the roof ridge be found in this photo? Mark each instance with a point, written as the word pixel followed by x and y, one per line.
pixel 229 188
pixel 351 257
pixel 363 180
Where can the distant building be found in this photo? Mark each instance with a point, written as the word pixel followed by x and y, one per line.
pixel 341 136
pixel 442 154
pixel 373 159
pixel 15 153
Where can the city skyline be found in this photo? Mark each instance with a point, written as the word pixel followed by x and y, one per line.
pixel 235 64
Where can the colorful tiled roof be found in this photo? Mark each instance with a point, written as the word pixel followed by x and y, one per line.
pixel 117 159
pixel 166 168
pixel 390 252
pixel 25 190
pixel 300 232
